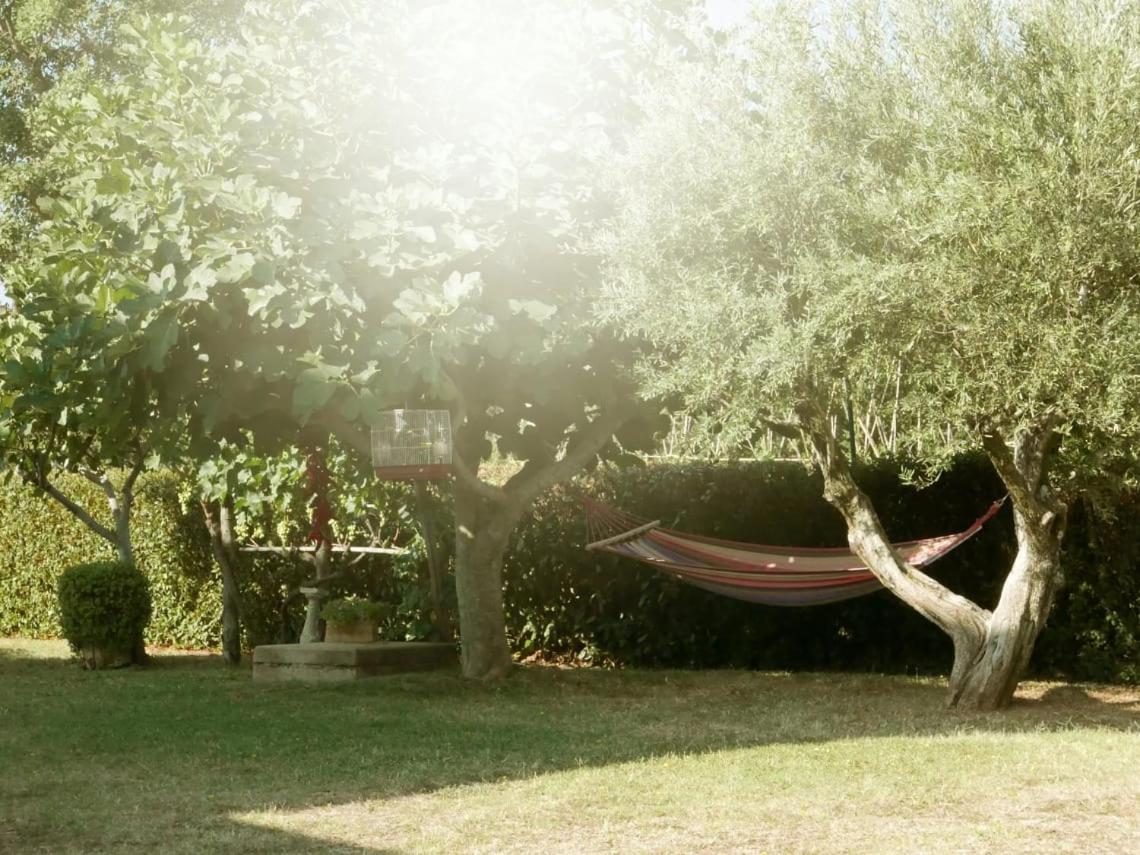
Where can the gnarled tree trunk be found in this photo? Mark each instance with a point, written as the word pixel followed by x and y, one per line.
pixel 991 649
pixel 988 679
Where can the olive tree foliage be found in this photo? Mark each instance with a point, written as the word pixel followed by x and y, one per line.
pixel 344 209
pixel 939 197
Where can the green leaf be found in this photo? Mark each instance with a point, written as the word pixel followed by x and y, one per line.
pixel 314 389
pixel 457 287
pixel 286 206
pixel 263 272
pixel 167 252
pixel 199 282
pixel 161 336
pixel 237 267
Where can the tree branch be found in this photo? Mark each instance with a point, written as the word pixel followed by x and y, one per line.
pixel 78 512
pixel 528 484
pixel 101 481
pixel 133 475
pixel 1002 459
pixel 961 619
pixel 1023 466
pixel 1023 469
pixel 468 476
pixel 474 483
pixel 788 430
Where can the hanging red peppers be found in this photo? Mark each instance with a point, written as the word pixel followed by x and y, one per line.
pixel 317 486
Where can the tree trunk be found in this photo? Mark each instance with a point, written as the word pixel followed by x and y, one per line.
pixel 121 514
pixel 120 504
pixel 121 507
pixel 482 531
pixel 988 679
pixel 220 524
pixel 991 650
pixel 436 570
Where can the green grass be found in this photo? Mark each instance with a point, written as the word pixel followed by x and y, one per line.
pixel 187 756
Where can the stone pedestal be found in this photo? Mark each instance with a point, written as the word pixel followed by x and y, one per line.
pixel 311 633
pixel 335 662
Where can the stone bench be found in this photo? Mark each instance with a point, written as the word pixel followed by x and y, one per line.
pixel 325 662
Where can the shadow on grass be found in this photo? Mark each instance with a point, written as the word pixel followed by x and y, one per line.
pixel 163 757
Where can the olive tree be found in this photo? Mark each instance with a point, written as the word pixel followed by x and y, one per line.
pixel 939 196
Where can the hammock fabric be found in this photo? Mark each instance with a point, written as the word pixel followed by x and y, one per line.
pixel 774 575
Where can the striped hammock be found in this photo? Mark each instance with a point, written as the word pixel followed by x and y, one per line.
pixel 773 575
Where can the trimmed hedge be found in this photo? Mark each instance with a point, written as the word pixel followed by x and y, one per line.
pixel 565 602
pixel 39 540
pixel 104 605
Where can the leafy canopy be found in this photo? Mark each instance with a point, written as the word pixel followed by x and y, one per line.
pixel 942 196
pixel 328 217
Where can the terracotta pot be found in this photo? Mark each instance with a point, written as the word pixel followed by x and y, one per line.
pixel 361 632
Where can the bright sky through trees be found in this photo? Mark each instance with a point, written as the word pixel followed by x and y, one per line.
pixel 726 13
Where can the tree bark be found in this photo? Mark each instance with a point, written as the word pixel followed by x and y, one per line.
pixel 118 537
pixel 485 515
pixel 435 563
pixel 991 649
pixel 990 678
pixel 123 545
pixel 482 530
pixel 120 503
pixel 220 524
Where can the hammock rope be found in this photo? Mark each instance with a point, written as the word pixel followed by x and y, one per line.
pixel 773 575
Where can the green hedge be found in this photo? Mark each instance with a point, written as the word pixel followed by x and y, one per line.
pixel 39 539
pixel 104 605
pixel 563 601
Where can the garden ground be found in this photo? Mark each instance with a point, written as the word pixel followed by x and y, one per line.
pixel 188 756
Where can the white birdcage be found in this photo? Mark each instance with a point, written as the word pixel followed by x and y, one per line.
pixel 412 445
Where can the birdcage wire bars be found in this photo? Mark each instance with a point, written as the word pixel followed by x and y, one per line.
pixel 412 445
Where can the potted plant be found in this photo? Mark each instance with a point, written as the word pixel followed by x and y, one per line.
pixel 352 620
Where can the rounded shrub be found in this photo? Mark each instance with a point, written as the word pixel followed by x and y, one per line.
pixel 104 606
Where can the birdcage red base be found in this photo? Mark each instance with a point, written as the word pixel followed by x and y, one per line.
pixel 434 472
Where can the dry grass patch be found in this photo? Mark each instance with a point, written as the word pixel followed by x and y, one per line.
pixel 188 756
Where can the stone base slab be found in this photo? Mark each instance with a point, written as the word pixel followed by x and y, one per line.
pixel 330 662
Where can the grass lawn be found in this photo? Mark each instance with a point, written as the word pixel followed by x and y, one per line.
pixel 187 756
